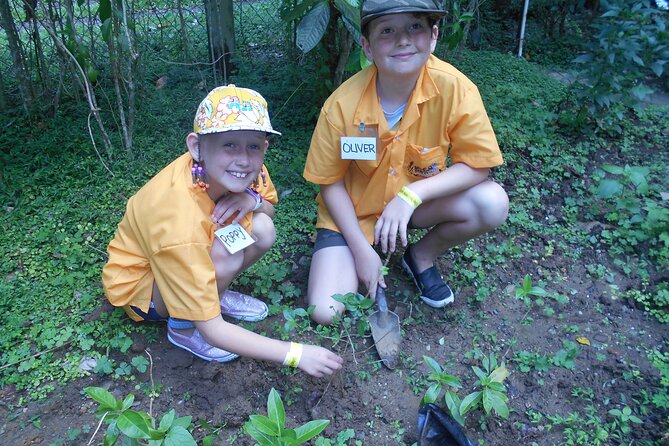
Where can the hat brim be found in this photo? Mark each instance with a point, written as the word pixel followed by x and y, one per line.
pixel 232 128
pixel 399 10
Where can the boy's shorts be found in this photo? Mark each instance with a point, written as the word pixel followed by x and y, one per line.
pixel 327 238
pixel 151 316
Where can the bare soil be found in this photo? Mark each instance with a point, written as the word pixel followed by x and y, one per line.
pixel 379 404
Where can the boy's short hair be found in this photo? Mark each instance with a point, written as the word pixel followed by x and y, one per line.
pixel 230 108
pixel 372 9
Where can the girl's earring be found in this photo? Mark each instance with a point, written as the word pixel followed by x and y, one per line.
pixel 199 176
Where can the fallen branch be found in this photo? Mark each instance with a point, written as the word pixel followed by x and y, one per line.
pixel 36 355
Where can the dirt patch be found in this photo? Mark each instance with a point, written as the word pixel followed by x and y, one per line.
pixel 381 405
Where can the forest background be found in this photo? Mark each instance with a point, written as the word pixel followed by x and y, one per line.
pixel 562 312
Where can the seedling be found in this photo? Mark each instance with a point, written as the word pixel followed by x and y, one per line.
pixel 270 430
pixel 138 425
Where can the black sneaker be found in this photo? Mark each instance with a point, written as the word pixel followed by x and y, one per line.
pixel 433 290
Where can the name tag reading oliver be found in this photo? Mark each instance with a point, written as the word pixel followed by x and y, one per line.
pixel 358 148
pixel 234 238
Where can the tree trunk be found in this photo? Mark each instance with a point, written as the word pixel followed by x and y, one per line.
pixel 19 68
pixel 185 44
pixel 345 44
pixel 221 34
pixel 3 98
pixel 472 7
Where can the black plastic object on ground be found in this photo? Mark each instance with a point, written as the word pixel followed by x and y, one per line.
pixel 437 428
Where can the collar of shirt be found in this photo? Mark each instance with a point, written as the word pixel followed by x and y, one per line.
pixel 369 109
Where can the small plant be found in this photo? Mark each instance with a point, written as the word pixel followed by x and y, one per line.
pixel 138 425
pixel 270 430
pixel 490 393
pixel 621 427
pixel 526 289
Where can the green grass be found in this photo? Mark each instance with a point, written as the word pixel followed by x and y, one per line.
pixel 59 208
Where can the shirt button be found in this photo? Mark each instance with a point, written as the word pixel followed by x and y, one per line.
pixel 392 172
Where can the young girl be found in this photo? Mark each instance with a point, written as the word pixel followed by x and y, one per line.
pixel 194 227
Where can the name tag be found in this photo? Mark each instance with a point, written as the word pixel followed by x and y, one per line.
pixel 358 148
pixel 234 238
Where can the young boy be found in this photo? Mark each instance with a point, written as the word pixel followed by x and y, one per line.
pixel 194 227
pixel 379 154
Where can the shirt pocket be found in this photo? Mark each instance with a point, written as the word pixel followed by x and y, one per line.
pixel 423 162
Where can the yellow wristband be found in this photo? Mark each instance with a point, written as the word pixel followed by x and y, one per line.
pixel 294 355
pixel 410 197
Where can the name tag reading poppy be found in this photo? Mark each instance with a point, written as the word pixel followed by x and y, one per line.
pixel 234 238
pixel 358 148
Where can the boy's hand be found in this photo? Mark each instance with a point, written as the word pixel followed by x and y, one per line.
pixel 394 219
pixel 318 361
pixel 230 204
pixel 368 268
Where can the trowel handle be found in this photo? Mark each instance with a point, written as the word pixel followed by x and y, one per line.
pixel 381 299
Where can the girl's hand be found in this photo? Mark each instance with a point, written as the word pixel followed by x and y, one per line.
pixel 241 203
pixel 368 267
pixel 318 361
pixel 394 219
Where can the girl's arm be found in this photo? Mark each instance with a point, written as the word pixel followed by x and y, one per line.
pixel 316 361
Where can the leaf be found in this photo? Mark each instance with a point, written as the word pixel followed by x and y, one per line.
pixel 105 10
pixel 583 58
pixel 167 420
pixel 498 403
pixel 499 374
pixel 469 402
pixel 311 29
pixel 298 11
pixel 609 188
pixel 264 425
pixel 179 436
pixel 434 365
pixel 275 410
pixel 613 169
pixel 480 373
pixel 309 430
pixel 183 422
pixel 453 403
pixel 351 17
pixel 583 340
pixel 641 91
pixel 134 425
pixel 105 29
pixel 102 396
pixel 262 438
pixel 432 394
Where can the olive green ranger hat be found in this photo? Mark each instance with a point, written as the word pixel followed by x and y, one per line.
pixel 372 9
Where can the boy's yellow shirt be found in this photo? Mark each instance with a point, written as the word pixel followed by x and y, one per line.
pixel 444 117
pixel 166 236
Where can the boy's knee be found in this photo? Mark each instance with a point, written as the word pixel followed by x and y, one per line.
pixel 325 315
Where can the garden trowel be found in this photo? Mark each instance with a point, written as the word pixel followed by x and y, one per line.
pixel 385 326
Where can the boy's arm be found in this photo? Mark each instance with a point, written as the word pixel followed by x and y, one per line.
pixel 397 213
pixel 316 361
pixel 367 261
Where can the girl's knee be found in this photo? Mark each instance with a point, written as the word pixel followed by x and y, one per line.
pixel 493 204
pixel 226 265
pixel 264 230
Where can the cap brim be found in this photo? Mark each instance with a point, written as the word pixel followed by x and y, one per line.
pixel 400 10
pixel 232 128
